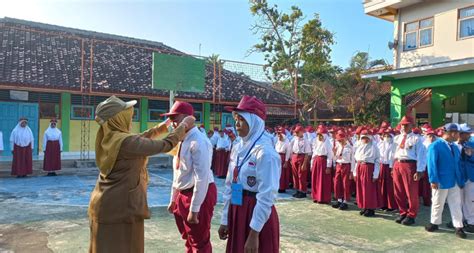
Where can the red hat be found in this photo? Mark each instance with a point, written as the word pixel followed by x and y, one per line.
pixel 251 105
pixel 425 127
pixel 359 129
pixel 388 131
pixel 430 131
pixel 416 130
pixel 384 124
pixel 407 120
pixel 381 131
pixel 310 129
pixel 180 107
pixel 365 133
pixel 340 136
pixel 299 129
pixel 322 129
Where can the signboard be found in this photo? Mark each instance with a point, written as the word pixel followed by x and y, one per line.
pixel 178 73
pixel 19 95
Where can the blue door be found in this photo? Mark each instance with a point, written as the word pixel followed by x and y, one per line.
pixel 10 112
pixel 227 119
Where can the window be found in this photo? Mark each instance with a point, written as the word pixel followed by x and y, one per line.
pixel 82 112
pixel 198 115
pixel 466 22
pixel 419 34
pixel 48 110
pixel 136 114
pixel 154 115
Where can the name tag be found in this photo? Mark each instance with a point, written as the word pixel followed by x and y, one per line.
pixel 237 194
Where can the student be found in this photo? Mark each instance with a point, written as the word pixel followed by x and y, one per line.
pixel 52 148
pixel 321 179
pixel 249 219
pixel 22 144
pixel 342 180
pixel 301 150
pixel 193 193
pixel 282 147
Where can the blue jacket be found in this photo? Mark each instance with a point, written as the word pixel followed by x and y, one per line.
pixel 444 168
pixel 467 165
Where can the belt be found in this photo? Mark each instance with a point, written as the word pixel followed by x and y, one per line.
pixel 250 194
pixel 282 153
pixel 406 161
pixel 189 190
pixel 362 162
pixel 342 163
pixel 299 154
pixel 324 156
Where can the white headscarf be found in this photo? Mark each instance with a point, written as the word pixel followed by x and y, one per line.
pixel 256 128
pixel 52 134
pixel 53 131
pixel 22 136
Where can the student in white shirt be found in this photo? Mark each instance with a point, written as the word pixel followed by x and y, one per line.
pixel 322 159
pixel 301 151
pixel 385 146
pixel 366 172
pixel 409 164
pixel 193 192
pixel 52 148
pixel 282 147
pixel 424 184
pixel 222 148
pixel 342 179
pixel 249 219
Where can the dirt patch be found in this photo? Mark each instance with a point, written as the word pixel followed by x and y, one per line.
pixel 19 239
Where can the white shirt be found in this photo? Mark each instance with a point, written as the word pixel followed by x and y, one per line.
pixel 261 174
pixel 223 143
pixel 283 147
pixel 414 150
pixel 194 168
pixel 386 154
pixel 343 154
pixel 53 134
pixel 300 146
pixel 368 153
pixel 323 148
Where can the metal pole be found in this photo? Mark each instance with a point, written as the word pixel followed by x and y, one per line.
pixel 171 98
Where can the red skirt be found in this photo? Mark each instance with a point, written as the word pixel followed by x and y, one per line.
pixel 285 173
pixel 367 197
pixel 239 228
pixel 214 159
pixel 22 164
pixel 321 182
pixel 385 181
pixel 221 163
pixel 52 156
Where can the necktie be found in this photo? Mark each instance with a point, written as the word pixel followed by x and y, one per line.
pixel 178 163
pixel 402 144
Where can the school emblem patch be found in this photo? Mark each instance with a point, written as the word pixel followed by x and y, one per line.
pixel 251 181
pixel 251 164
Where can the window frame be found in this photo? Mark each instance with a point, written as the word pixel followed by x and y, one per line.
pixel 418 34
pixel 459 23
pixel 136 114
pixel 156 110
pixel 82 118
pixel 200 116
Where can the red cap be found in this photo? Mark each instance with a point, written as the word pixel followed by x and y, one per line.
pixel 384 124
pixel 310 129
pixel 388 131
pixel 299 129
pixel 381 131
pixel 251 105
pixel 340 136
pixel 180 107
pixel 416 130
pixel 406 120
pixel 429 131
pixel 322 129
pixel 359 129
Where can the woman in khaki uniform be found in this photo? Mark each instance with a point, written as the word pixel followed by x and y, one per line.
pixel 118 204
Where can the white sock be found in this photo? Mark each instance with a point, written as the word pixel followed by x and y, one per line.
pixel 339 200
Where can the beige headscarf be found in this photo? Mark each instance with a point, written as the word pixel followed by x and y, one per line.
pixel 109 139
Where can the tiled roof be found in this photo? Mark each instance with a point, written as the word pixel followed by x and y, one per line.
pixel 47 56
pixel 417 97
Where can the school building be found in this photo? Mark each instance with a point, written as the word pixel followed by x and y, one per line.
pixel 433 59
pixel 51 71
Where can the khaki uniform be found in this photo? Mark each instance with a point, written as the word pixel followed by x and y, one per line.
pixel 118 204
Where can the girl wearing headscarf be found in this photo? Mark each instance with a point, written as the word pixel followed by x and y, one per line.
pixel 52 147
pixel 322 167
pixel 366 173
pixel 21 142
pixel 118 204
pixel 385 145
pixel 249 219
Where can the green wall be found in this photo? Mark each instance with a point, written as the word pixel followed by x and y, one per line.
pixel 65 118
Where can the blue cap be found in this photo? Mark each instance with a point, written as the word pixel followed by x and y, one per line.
pixel 469 144
pixel 451 127
pixel 464 128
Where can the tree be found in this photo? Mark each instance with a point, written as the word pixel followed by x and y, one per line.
pixel 296 54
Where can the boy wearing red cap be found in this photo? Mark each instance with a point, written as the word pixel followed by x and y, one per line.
pixel 409 164
pixel 193 192
pixel 301 149
pixel 344 163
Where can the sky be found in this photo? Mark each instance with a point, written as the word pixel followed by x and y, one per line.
pixel 206 27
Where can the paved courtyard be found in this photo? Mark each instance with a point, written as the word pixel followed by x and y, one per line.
pixel 49 214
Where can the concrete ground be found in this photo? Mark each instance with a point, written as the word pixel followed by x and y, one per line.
pixel 49 214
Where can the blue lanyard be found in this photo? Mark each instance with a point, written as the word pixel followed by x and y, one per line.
pixel 245 157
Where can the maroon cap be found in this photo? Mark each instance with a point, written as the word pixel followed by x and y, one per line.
pixel 340 136
pixel 251 105
pixel 416 130
pixel 407 120
pixel 322 129
pixel 180 107
pixel 384 124
pixel 299 129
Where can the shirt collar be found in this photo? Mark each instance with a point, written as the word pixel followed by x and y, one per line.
pixel 190 133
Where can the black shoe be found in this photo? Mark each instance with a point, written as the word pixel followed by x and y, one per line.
pixel 303 195
pixel 460 233
pixel 282 191
pixel 400 219
pixel 337 205
pixel 450 224
pixel 363 211
pixel 384 209
pixel 54 174
pixel 369 213
pixel 343 206
pixel 390 210
pixel 469 228
pixel 290 186
pixel 431 227
pixel 296 194
pixel 408 221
